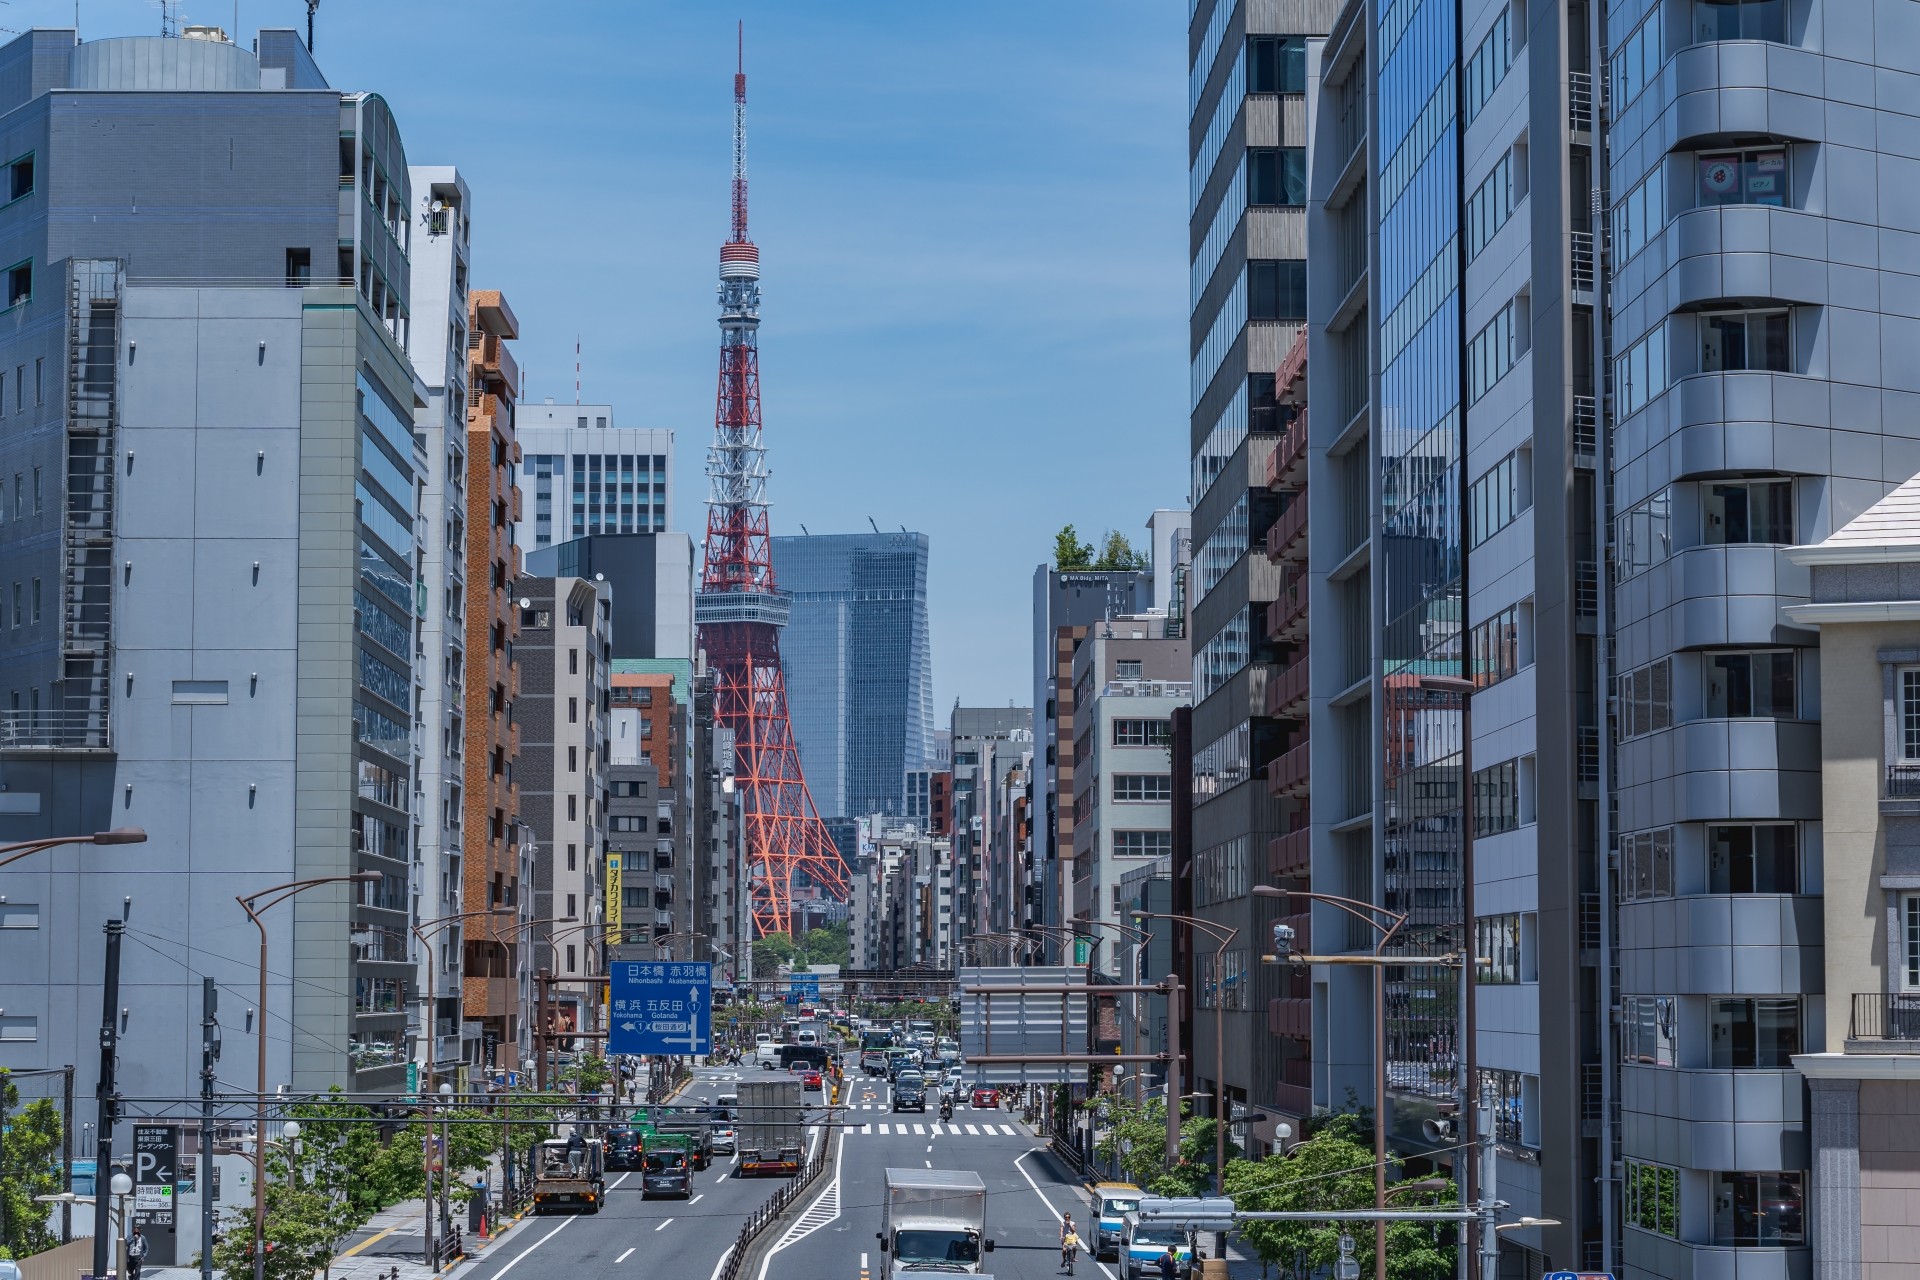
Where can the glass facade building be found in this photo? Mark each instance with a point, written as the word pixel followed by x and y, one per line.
pixel 858 666
pixel 583 475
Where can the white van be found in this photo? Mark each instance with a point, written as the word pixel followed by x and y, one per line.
pixel 807 1036
pixel 767 1055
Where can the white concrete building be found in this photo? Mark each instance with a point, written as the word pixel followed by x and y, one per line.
pixel 589 476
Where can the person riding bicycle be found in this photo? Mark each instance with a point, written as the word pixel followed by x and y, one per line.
pixel 1069 1244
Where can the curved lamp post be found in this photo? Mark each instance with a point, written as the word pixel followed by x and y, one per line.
pixel 21 848
pixel 255 907
pixel 1226 936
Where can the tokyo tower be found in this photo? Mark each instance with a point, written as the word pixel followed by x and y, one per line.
pixel 740 610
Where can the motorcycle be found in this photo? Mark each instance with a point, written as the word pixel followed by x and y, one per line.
pixel 946 1109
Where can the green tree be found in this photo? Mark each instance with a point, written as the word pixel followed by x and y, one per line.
pixel 1069 552
pixel 29 1167
pixel 310 1207
pixel 831 945
pixel 770 952
pixel 1117 553
pixel 1331 1170
pixel 589 1073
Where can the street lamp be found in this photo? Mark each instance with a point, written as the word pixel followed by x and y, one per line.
pixel 121 1186
pixel 1226 936
pixel 21 848
pixel 252 904
pixel 1385 931
pixel 420 932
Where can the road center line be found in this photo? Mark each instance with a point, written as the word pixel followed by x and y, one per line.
pixel 623 1257
pixel 663 1226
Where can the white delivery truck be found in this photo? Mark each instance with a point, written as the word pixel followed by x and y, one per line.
pixel 935 1220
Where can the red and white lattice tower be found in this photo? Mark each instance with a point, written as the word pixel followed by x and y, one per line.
pixel 740 611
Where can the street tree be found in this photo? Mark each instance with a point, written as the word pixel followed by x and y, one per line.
pixel 1333 1170
pixel 29 1167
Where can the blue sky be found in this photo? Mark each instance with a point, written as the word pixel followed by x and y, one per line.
pixel 972 229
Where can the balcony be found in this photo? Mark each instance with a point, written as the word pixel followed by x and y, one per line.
pixel 1294 1099
pixel 1884 1022
pixel 1290 774
pixel 1287 539
pixel 1287 615
pixel 1903 782
pixel 1291 1016
pixel 1586 431
pixel 1287 692
pixel 1287 464
pixel 1290 854
pixel 1293 367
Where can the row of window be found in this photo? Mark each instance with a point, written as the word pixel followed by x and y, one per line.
pixel 1497 942
pixel 1491 204
pixel 1637 59
pixel 1495 647
pixel 1142 787
pixel 1142 733
pixel 1497 498
pixel 1750 1210
pixel 1143 844
pixel 26 604
pixel 1744 1033
pixel 1739 684
pixel 1733 513
pixel 1757 857
pixel 1758 340
pixel 1491 353
pixel 1487 66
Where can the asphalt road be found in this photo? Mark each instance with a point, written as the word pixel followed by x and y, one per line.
pixel 634 1238
pixel 836 1238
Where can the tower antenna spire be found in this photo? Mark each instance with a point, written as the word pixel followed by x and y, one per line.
pixel 740 139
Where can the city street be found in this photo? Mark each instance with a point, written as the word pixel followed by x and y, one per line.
pixel 636 1237
pixel 1026 1191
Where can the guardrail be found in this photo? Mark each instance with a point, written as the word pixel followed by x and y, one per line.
pixel 761 1218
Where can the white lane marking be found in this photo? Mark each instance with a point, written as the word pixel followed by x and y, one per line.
pixel 1099 1266
pixel 1009 1130
pixel 929 1164
pixel 697 1199
pixel 664 1225
pixel 863 1262
pixel 623 1257
pixel 919 1129
pixel 721 1264
pixel 535 1245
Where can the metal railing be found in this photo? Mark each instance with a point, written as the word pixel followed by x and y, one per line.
pixel 67 730
pixel 1885 1015
pixel 1586 589
pixel 1587 741
pixel 1583 261
pixel 1586 429
pixel 761 1218
pixel 1580 100
pixel 1903 781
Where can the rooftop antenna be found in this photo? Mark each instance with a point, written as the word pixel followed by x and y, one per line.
pixel 169 19
pixel 876 528
pixel 311 6
pixel 576 368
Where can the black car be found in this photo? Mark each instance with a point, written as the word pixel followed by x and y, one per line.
pixel 910 1092
pixel 665 1173
pixel 625 1148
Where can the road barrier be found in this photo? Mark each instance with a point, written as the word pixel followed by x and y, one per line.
pixel 761 1218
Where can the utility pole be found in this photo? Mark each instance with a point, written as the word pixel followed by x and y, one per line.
pixel 109 1102
pixel 209 1054
pixel 66 1153
pixel 1489 1174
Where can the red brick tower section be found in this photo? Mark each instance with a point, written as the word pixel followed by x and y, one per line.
pixel 740 610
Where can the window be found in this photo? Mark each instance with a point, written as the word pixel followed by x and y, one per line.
pixel 627 823
pixel 1490 205
pixel 1640 215
pixel 1277 289
pixel 1741 177
pixel 1732 341
pixel 34 601
pixel 573 711
pixel 1498 497
pixel 630 787
pixel 1496 647
pixel 19 484
pixel 1223 980
pixel 1650 1198
pixel 1754 1032
pixel 1636 61
pixel 1646 1030
pixel 1277 176
pixel 1640 373
pixel 1143 844
pixel 571 964
pixel 1761 858
pixel 19 605
pixel 1142 786
pixel 573 759
pixel 1509 1105
pixel 1496 799
pixel 1142 733
pixel 1910 713
pixel 1496 939
pixel 1491 353
pixel 573 808
pixel 20 177
pixel 1220 872
pixel 1646 865
pixel 1751 685
pixel 1909 922
pixel 20 283
pixel 1276 64
pixel 1488 64
pixel 1646 699
pixel 1645 534
pixel 39 495
pixel 1749 511
pixel 1739 20
pixel 1127 669
pixel 299 268
pixel 39 380
pixel 573 664
pixel 1758 1209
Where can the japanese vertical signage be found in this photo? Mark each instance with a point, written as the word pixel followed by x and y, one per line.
pixel 613 892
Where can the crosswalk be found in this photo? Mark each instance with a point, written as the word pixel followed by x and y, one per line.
pixel 887 1128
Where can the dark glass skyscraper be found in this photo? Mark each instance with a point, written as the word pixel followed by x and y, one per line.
pixel 859 671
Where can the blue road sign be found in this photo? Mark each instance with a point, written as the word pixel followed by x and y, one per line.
pixel 803 988
pixel 661 1007
pixel 1579 1275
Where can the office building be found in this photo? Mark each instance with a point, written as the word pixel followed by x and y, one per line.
pixel 440 267
pixel 210 413
pixel 586 476
pixel 1247 123
pixel 652 576
pixel 1127 680
pixel 563 712
pixel 1063 601
pixel 973 733
pixel 858 665
pixel 495 974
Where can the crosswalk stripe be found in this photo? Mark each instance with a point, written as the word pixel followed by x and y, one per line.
pixel 971 1129
pixel 886 1128
pixel 1009 1130
pixel 920 1129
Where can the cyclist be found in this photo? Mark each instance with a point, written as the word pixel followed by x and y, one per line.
pixel 1069 1244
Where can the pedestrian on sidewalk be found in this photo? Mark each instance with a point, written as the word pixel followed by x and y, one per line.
pixel 1169 1265
pixel 136 1253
